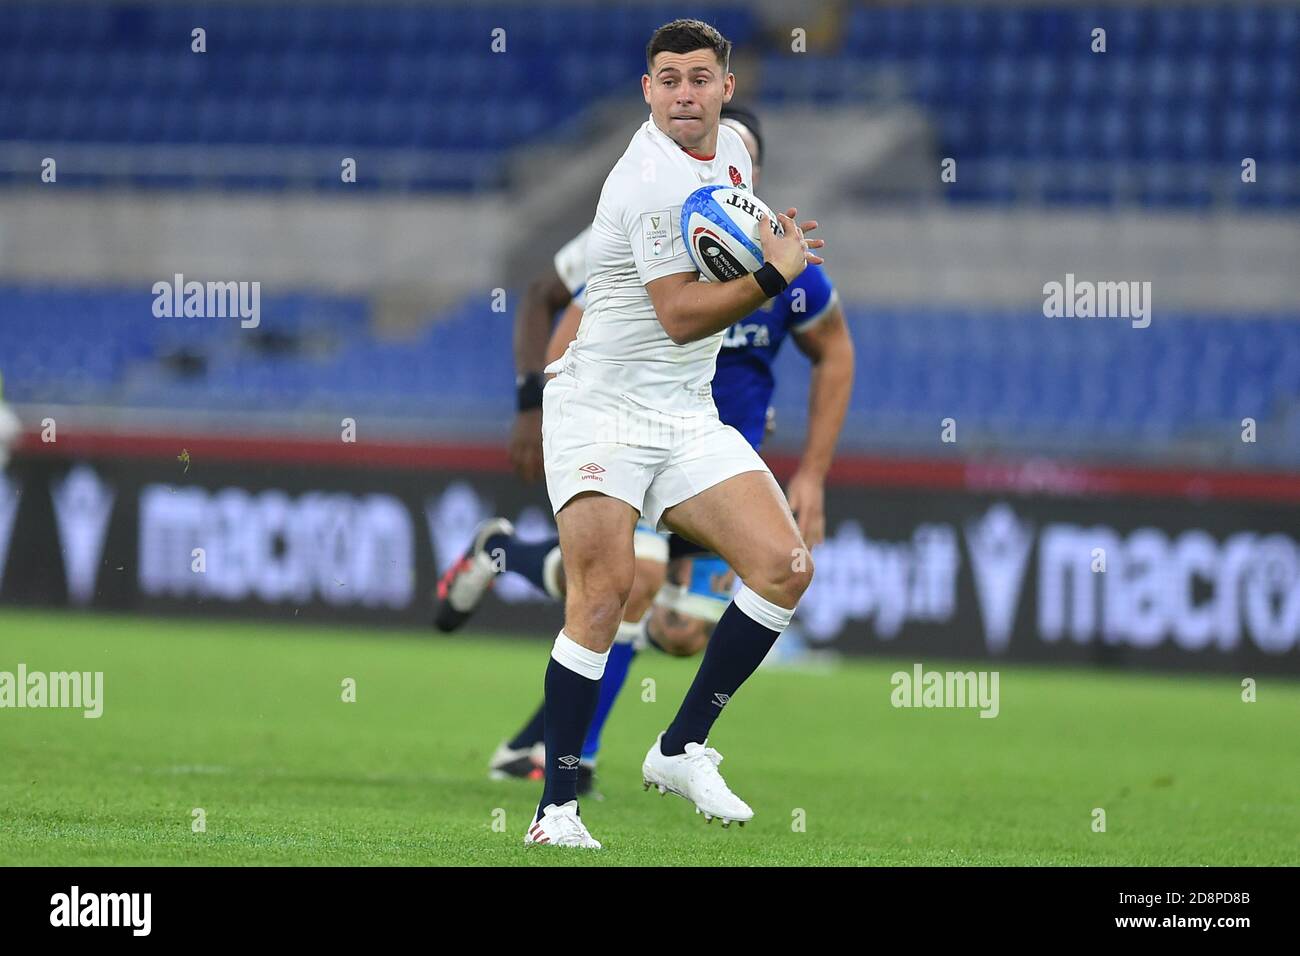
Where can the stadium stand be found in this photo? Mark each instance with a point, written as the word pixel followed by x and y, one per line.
pixel 1018 379
pixel 1183 94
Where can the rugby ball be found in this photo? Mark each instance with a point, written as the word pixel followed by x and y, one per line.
pixel 721 227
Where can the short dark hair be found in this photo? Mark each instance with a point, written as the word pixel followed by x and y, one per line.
pixel 684 36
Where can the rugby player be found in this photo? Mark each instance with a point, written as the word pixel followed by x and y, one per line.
pixel 699 585
pixel 630 430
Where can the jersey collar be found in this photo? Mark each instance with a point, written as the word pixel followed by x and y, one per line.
pixel 689 152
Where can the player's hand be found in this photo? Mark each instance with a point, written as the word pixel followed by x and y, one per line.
pixel 807 496
pixel 526 444
pixel 791 252
pixel 803 229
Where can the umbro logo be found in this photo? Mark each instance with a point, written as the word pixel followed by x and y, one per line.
pixel 593 472
pixel 721 699
pixel 569 762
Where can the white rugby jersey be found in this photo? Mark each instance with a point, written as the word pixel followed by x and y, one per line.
pixel 636 238
pixel 571 262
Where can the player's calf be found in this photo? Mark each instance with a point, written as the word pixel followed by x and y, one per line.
pixel 650 571
pixel 599 584
pixel 742 638
pixel 596 541
pixel 649 578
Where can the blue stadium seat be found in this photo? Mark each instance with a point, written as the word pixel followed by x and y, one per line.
pixel 1194 83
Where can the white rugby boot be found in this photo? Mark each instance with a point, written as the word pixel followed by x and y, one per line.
pixel 461 588
pixel 560 825
pixel 694 775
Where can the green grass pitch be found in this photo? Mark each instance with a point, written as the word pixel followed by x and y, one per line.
pixel 247 722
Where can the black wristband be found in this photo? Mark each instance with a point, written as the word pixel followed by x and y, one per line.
pixel 528 391
pixel 770 280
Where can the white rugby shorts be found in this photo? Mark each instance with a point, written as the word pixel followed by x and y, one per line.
pixel 597 440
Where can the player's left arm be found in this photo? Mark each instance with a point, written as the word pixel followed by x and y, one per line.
pixel 829 347
pixel 566 330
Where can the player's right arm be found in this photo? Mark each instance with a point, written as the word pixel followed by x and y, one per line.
pixel 690 310
pixel 545 296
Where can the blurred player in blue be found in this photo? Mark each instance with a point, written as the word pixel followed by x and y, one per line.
pixel 679 591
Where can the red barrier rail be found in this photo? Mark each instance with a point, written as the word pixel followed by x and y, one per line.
pixel 1025 476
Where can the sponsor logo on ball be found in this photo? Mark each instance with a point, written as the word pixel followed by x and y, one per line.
pixel 722 264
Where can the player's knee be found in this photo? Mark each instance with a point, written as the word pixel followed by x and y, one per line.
pixel 786 580
pixel 596 603
pixel 597 615
pixel 801 575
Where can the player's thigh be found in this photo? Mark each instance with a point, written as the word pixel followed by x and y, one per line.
pixel 744 519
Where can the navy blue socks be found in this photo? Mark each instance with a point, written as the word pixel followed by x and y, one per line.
pixel 572 688
pixel 532 559
pixel 744 634
pixel 616 668
pixel 532 732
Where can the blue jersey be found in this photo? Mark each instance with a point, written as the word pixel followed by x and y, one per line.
pixel 743 383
